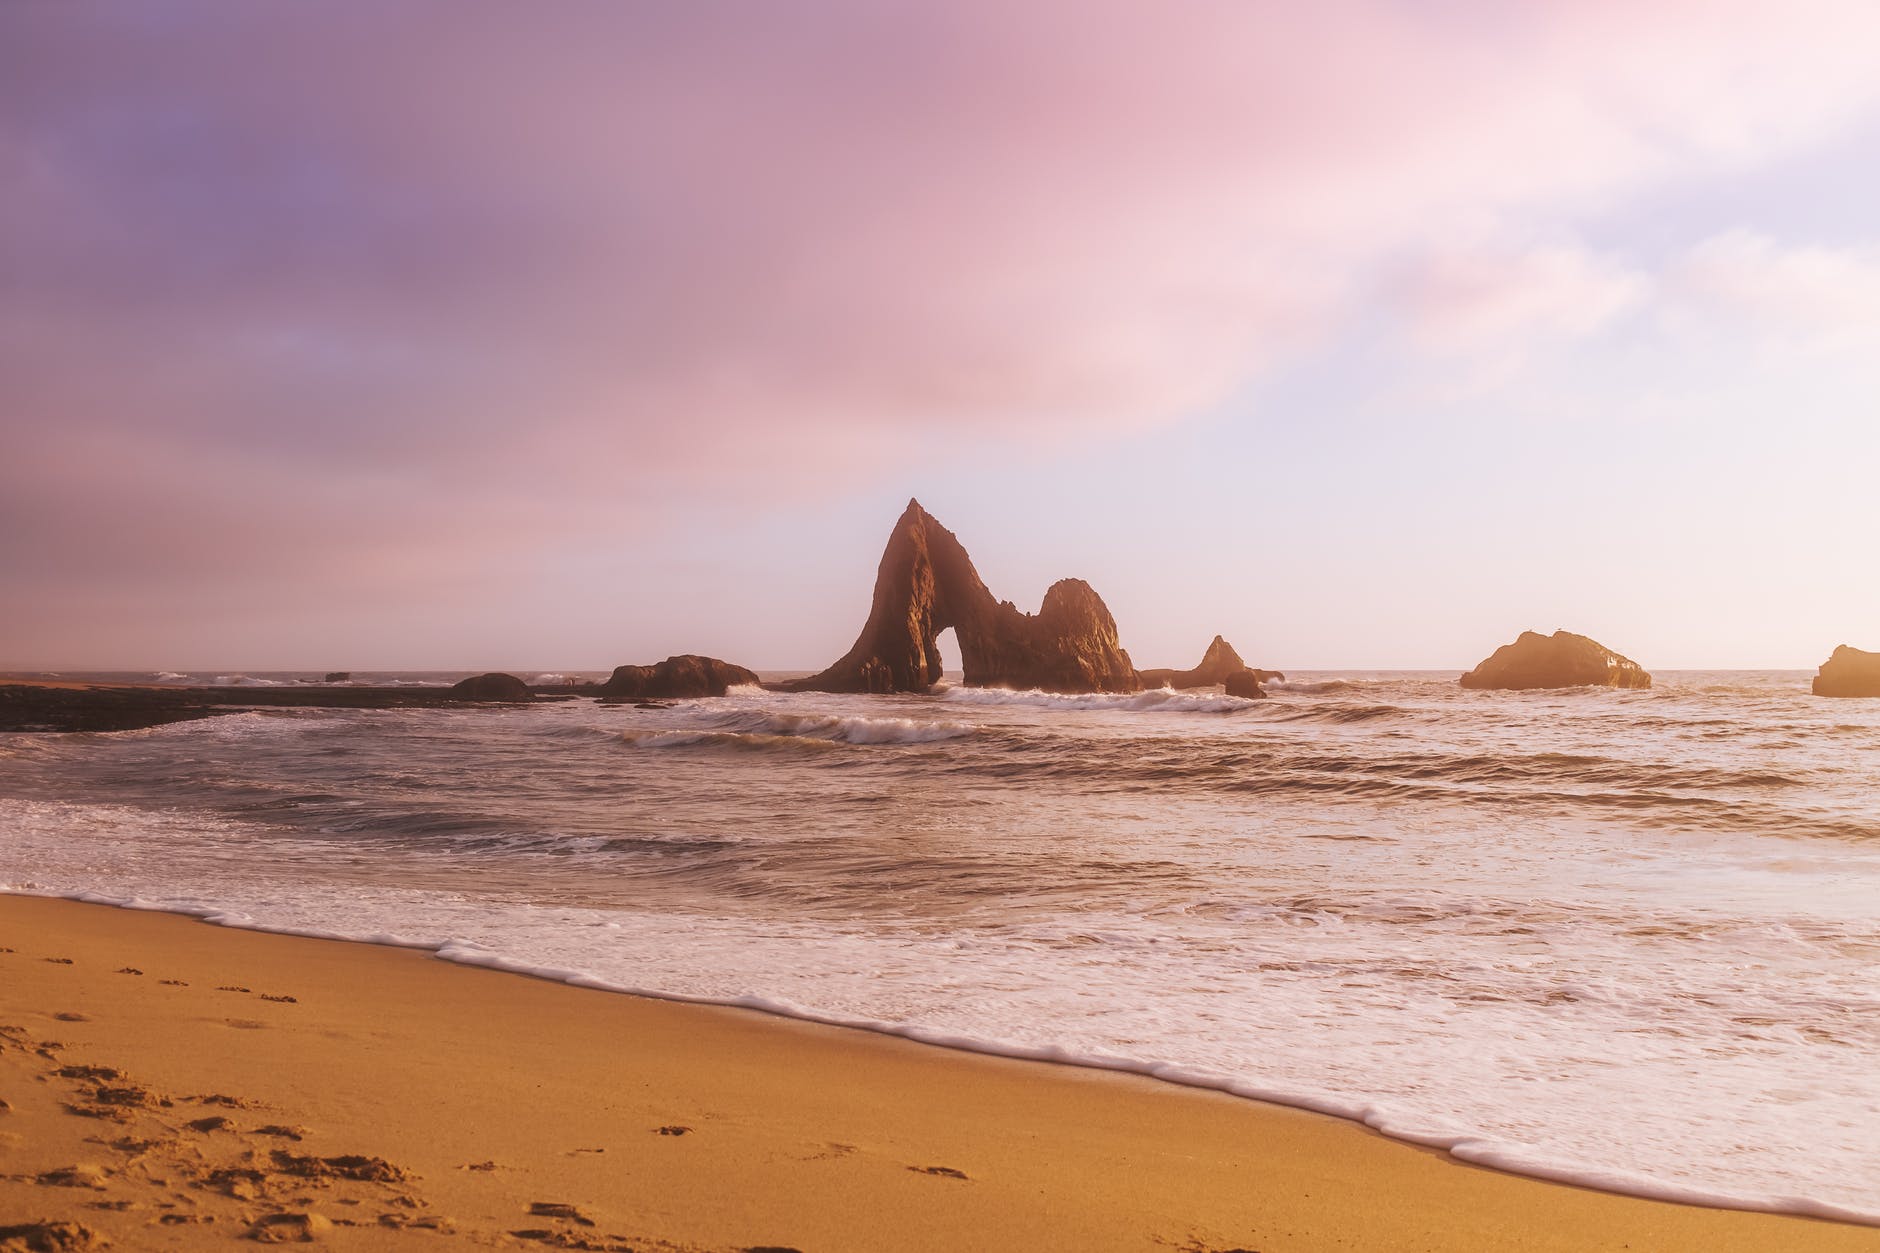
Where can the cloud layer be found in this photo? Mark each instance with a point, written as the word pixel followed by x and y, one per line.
pixel 361 293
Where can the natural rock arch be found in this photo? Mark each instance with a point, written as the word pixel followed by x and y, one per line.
pixel 926 583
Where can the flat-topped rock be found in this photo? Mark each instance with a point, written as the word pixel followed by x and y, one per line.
pixel 1849 672
pixel 926 584
pixel 1562 659
pixel 687 675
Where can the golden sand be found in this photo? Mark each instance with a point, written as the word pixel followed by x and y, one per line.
pixel 174 1085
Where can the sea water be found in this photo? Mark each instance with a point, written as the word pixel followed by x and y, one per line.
pixel 1627 939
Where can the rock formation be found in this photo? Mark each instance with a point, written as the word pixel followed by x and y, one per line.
pixel 1562 659
pixel 495 686
pixel 1217 663
pixel 1249 683
pixel 685 675
pixel 1849 672
pixel 926 583
pixel 1220 665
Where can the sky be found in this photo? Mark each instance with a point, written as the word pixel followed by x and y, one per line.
pixel 1366 333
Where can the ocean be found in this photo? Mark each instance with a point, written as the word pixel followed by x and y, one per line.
pixel 1624 939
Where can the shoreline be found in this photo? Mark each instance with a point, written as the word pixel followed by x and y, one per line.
pixel 1055 1156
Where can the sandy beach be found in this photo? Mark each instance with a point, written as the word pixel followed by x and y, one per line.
pixel 169 1084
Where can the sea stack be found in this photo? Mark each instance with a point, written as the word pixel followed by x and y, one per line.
pixel 492 687
pixel 926 583
pixel 1849 672
pixel 1220 666
pixel 686 675
pixel 1562 659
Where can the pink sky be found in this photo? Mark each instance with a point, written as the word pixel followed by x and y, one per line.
pixel 447 336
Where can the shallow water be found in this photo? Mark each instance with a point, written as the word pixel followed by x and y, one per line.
pixel 1625 938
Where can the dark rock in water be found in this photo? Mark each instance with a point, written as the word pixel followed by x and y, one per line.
pixel 1562 659
pixel 494 687
pixel 685 675
pixel 1246 682
pixel 1217 663
pixel 926 583
pixel 1849 672
pixel 338 676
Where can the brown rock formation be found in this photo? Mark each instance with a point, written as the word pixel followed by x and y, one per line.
pixel 1562 659
pixel 1220 666
pixel 1246 683
pixel 495 686
pixel 1849 672
pixel 1217 663
pixel 685 675
pixel 926 583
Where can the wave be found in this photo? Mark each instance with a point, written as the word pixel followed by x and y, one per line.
pixel 759 729
pixel 1158 700
pixel 1511 1156
pixel 242 680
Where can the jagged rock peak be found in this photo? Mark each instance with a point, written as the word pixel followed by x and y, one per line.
pixel 1562 659
pixel 926 583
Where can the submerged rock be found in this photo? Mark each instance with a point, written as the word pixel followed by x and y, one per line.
pixel 1562 659
pixel 681 676
pixel 926 583
pixel 492 687
pixel 1849 672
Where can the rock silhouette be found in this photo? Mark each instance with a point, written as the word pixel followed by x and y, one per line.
pixel 1849 672
pixel 685 675
pixel 1562 659
pixel 926 583
pixel 1220 664
pixel 494 686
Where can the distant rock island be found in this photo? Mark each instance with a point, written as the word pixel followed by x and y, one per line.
pixel 1219 665
pixel 1849 672
pixel 683 676
pixel 494 686
pixel 1562 659
pixel 926 583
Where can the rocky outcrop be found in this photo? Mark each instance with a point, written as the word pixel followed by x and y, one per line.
pixel 682 676
pixel 1220 666
pixel 1849 672
pixel 1219 661
pixel 338 676
pixel 1249 683
pixel 503 687
pixel 926 584
pixel 1562 659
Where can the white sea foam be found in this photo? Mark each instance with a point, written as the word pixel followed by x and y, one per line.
pixel 1513 1157
pixel 758 727
pixel 1156 700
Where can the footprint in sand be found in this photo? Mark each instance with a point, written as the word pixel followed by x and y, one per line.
pixel 558 1209
pixel 63 1236
pixel 229 987
pixel 215 1122
pixel 945 1172
pixel 281 1000
pixel 672 1129
pixel 129 970
pixel 68 1016
pixel 60 961
pixel 174 983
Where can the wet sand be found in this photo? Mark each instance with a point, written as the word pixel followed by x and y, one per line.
pixel 168 1084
